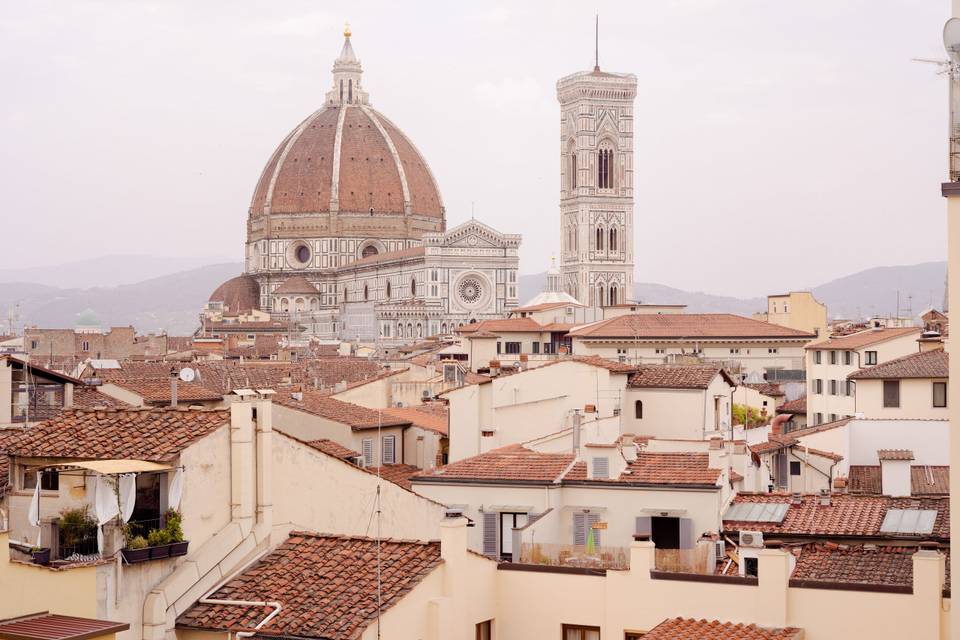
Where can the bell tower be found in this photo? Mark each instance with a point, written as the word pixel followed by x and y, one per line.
pixel 596 185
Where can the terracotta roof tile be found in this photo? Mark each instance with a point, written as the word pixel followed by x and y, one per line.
pixel 925 480
pixel 863 338
pixel 85 397
pixel 296 284
pixel 7 439
pixel 676 376
pixel 158 391
pixel 797 406
pixel 141 434
pixel 327 585
pixel 514 325
pixel 513 463
pixel 51 626
pixel 357 417
pixel 432 420
pixel 658 468
pixel 690 629
pixel 398 474
pixel 895 454
pixel 847 515
pixel 766 388
pixel 926 364
pixel 857 564
pixel 644 326
pixel 334 449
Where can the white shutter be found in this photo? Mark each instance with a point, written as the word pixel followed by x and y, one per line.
pixel 389 450
pixel 579 529
pixel 601 467
pixel 686 533
pixel 489 533
pixel 368 452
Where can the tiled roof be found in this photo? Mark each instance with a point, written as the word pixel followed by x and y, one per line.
pixel 895 454
pixel 690 629
pixel 817 428
pixel 658 468
pixel 85 397
pixel 425 419
pixel 398 474
pixel 925 480
pixel 238 294
pixel 327 584
pixel 357 417
pixel 334 449
pixel 560 327
pixel 513 463
pixel 777 442
pixel 296 284
pixel 513 325
pixel 644 326
pixel 926 364
pixel 676 376
pixel 158 391
pixel 612 366
pixel 7 439
pixel 766 388
pixel 847 515
pixel 863 338
pixel 142 434
pixel 794 406
pixel 51 626
pixel 833 563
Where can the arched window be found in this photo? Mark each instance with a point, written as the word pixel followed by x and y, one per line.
pixel 638 410
pixel 388 288
pixel 613 294
pixel 300 304
pixel 605 169
pixel 284 304
pixel 573 170
pixel 314 304
pixel 613 238
pixel 341 90
pixel 366 293
pixel 413 287
pixel 443 328
pixel 599 295
pixel 368 251
pixel 599 238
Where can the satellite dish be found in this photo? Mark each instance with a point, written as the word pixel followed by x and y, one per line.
pixel 516 364
pixel 951 39
pixel 187 374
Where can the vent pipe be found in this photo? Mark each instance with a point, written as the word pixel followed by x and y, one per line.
pixel 173 387
pixel 576 432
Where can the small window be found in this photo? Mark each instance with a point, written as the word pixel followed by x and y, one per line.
pixel 85 345
pixel 818 418
pixel 638 409
pixel 773 350
pixel 660 352
pixel 49 480
pixel 891 394
pixel 847 357
pixel 33 344
pixel 389 450
pixel 633 635
pixel 499 348
pixel 535 347
pixel 817 357
pixel 833 387
pixel 577 632
pixel 870 357
pixel 833 417
pixel 833 357
pixel 817 386
pixel 794 467
pixel 368 452
pixel 485 630
pixel 413 286
pixel 939 394
pixel 513 347
pixel 734 352
pixel 366 293
pixel 388 288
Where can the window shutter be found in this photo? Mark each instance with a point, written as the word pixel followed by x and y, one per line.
pixel 389 450
pixel 591 519
pixel 367 452
pixel 601 468
pixel 579 529
pixel 489 533
pixel 686 533
pixel 644 525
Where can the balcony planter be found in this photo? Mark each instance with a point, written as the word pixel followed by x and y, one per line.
pixel 159 552
pixel 179 548
pixel 133 556
pixel 41 556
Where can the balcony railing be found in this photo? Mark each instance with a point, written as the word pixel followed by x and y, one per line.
pixel 569 555
pixel 696 560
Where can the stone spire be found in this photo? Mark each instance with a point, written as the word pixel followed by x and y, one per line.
pixel 346 76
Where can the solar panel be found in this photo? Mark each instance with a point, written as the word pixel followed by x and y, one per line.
pixel 757 512
pixel 909 521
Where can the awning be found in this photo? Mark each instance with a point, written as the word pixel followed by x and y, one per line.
pixel 109 467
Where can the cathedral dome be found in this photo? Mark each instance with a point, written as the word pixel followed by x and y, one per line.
pixel 348 158
pixel 238 294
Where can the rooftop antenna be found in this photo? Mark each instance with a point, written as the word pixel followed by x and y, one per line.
pixel 596 43
pixel 951 69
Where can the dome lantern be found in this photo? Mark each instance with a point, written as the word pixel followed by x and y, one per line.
pixel 346 76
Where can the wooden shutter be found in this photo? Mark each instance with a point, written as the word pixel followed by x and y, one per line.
pixel 489 533
pixel 644 526
pixel 686 533
pixel 367 452
pixel 389 449
pixel 579 529
pixel 891 393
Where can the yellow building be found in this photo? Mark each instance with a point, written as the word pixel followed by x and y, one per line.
pixel 797 310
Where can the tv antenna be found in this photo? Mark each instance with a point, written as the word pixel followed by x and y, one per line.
pixel 951 68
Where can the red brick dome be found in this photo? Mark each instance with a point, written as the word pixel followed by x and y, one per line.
pixel 351 159
pixel 238 294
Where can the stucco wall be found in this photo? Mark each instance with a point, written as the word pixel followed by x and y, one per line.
pixel 916 400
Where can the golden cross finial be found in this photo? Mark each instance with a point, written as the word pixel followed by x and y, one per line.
pixel 346 30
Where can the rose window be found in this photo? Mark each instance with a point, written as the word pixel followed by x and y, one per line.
pixel 470 290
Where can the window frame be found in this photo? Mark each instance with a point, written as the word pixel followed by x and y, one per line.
pixel 933 388
pixel 869 358
pixel 392 439
pixel 890 402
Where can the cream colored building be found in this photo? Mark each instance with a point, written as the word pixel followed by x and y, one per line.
pixel 830 395
pixel 913 386
pixel 797 310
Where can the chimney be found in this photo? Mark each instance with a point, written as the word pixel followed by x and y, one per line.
pixel 576 432
pixel 173 387
pixel 796 498
pixel 524 358
pixel 494 367
pixel 895 472
pixel 825 498
pixel 776 425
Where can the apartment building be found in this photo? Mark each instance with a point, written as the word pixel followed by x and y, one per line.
pixel 797 310
pixel 829 363
pixel 913 386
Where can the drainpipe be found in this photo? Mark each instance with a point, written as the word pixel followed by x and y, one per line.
pixel 576 434
pixel 277 606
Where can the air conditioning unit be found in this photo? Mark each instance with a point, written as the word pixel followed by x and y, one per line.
pixel 751 539
pixel 616 411
pixel 720 548
pixel 425 394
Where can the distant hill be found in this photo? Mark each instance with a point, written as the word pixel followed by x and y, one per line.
pixel 869 292
pixel 105 271
pixel 172 302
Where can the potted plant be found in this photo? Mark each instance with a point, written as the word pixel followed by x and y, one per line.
pixel 159 542
pixel 78 532
pixel 137 550
pixel 41 555
pixel 178 546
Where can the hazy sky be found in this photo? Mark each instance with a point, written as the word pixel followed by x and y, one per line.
pixel 778 145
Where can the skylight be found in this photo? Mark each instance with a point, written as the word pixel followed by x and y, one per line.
pixel 909 521
pixel 757 512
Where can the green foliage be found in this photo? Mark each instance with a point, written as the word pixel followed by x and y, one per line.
pixel 743 412
pixel 174 525
pixel 158 537
pixel 137 542
pixel 76 525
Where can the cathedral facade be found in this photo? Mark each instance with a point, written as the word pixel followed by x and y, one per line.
pixel 596 192
pixel 347 235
